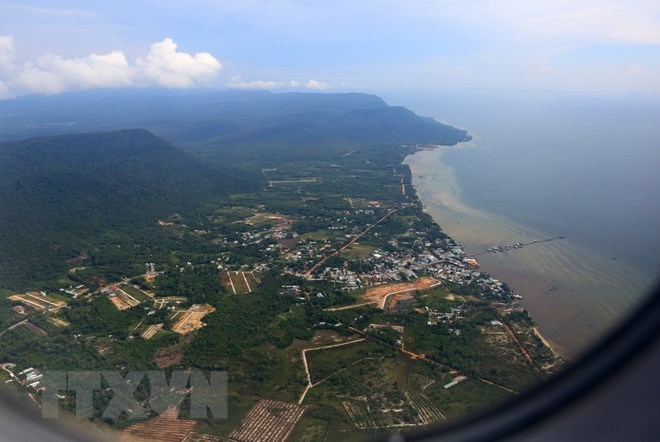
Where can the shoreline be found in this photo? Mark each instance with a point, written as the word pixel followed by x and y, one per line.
pixel 537 332
pixel 573 294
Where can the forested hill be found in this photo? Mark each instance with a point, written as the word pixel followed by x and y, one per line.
pixel 60 193
pixel 230 124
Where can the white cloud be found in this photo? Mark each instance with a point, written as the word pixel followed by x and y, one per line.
pixel 165 66
pixel 52 74
pixel 237 82
pixel 6 51
pixel 318 85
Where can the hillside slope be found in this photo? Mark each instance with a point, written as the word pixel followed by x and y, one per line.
pixel 59 193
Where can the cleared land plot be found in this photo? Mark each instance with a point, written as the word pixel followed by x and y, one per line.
pixel 268 421
pixel 34 328
pixel 360 413
pixel 122 300
pixel 135 292
pixel 327 361
pixel 152 330
pixel 233 214
pixel 322 235
pixel 191 319
pixel 427 412
pixel 394 409
pixel 379 294
pixel 292 181
pixel 358 251
pixel 261 219
pixel 162 302
pixel 398 328
pixel 165 427
pixel 238 282
pixel 59 321
pixel 38 301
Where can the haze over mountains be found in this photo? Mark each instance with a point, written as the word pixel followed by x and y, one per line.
pixel 62 190
pixel 190 117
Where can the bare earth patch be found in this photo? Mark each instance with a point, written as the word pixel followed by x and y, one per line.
pixel 378 294
pixel 191 319
pixel 168 356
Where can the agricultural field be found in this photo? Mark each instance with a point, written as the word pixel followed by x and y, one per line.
pixel 358 251
pixel 165 427
pixel 267 219
pixel 121 299
pixel 393 409
pixel 373 395
pixel 152 330
pixel 268 421
pixel 272 183
pixel 39 301
pixel 239 282
pixel 323 235
pixel 135 292
pixel 325 362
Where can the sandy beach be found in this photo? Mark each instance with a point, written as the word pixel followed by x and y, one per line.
pixel 573 293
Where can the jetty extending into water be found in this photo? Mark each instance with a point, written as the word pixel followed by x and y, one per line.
pixel 516 245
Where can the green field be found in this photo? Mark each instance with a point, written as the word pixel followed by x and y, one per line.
pixel 136 293
pixel 358 251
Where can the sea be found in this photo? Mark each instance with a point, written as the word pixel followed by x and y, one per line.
pixel 542 166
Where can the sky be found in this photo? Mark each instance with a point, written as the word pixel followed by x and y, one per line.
pixel 387 46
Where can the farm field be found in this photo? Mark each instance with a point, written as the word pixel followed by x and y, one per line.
pixel 121 299
pixel 38 301
pixel 135 292
pixel 238 282
pixel 165 427
pixel 358 251
pixel 152 330
pixel 268 421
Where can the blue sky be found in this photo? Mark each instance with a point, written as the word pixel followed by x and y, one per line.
pixel 387 46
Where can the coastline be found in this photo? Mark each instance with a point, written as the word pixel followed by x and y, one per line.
pixel 573 294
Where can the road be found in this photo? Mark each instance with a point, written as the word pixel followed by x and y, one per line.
pixel 348 244
pixel 307 373
pixel 24 321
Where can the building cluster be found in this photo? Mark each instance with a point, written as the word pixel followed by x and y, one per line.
pixel 407 257
pixel 30 377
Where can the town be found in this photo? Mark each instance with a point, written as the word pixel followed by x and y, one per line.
pixel 349 295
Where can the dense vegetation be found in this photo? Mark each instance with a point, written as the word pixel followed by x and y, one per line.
pixel 62 196
pixel 71 196
pixel 291 178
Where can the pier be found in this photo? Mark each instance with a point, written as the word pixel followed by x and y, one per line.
pixel 514 246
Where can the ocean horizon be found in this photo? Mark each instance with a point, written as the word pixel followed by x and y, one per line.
pixel 581 168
